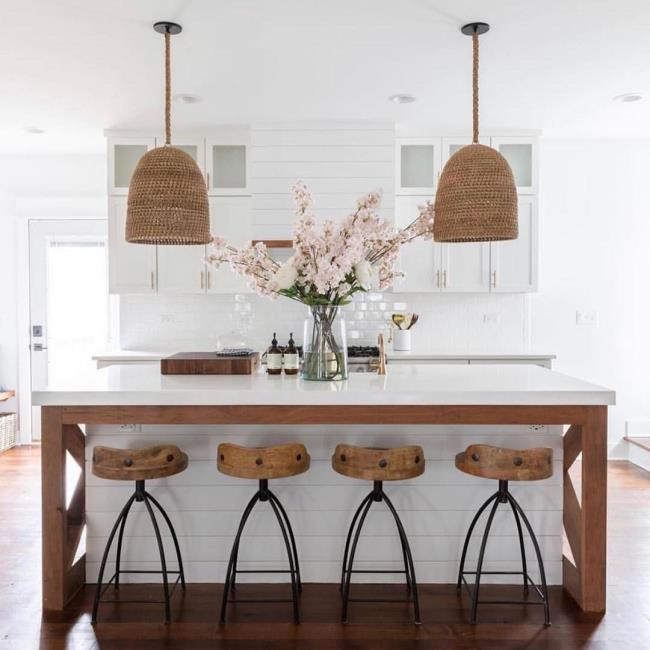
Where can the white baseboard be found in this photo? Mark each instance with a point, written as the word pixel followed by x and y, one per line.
pixel 639 456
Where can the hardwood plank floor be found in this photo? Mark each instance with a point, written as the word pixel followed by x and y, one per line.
pixel 376 626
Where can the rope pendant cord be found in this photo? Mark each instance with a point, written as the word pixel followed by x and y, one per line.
pixel 168 90
pixel 474 88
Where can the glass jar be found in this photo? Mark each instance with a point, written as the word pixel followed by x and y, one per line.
pixel 325 348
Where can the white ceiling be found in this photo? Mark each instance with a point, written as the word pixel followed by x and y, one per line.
pixel 75 67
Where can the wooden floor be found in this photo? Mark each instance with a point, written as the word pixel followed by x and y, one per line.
pixel 373 627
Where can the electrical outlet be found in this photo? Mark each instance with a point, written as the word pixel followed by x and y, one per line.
pixel 588 318
pixel 129 428
pixel 491 318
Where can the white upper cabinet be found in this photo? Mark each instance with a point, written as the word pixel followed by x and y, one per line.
pixel 123 156
pixel 181 268
pixel 514 263
pixel 131 267
pixel 450 145
pixel 417 165
pixel 230 218
pixel 419 259
pixel 464 267
pixel 227 165
pixel 521 154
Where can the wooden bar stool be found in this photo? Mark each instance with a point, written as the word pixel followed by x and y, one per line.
pixel 377 465
pixel 263 463
pixel 505 465
pixel 138 465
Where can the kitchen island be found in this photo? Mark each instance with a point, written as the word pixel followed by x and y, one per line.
pixel 521 405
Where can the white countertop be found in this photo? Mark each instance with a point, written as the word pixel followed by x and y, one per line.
pixel 118 356
pixel 405 384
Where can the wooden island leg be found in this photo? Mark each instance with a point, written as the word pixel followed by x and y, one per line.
pixel 585 521
pixel 62 523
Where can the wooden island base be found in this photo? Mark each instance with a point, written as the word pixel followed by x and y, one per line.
pixel 584 511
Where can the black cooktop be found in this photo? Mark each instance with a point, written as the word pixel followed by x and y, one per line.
pixel 356 351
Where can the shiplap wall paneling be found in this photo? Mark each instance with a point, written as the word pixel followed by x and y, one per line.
pixel 436 507
pixel 338 161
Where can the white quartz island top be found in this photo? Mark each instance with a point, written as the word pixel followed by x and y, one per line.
pixel 405 384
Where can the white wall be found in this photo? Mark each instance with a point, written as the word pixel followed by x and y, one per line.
pixel 594 256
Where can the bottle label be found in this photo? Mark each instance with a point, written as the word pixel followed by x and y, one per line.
pixel 274 361
pixel 290 361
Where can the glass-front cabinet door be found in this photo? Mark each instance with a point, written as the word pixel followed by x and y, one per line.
pixel 418 165
pixel 227 168
pixel 521 154
pixel 123 156
pixel 450 145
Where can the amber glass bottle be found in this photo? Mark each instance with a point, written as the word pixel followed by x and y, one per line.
pixel 274 358
pixel 290 359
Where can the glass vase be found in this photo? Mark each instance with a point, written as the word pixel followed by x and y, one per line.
pixel 325 349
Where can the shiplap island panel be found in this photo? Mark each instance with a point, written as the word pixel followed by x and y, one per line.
pixel 441 407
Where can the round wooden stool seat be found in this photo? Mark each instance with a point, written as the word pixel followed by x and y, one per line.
pixel 377 464
pixel 138 464
pixel 506 464
pixel 262 463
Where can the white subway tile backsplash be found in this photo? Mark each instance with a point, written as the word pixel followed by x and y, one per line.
pixel 448 322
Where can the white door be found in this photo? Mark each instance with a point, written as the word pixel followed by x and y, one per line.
pixel 69 316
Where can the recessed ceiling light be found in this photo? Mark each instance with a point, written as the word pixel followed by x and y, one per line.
pixel 628 98
pixel 187 98
pixel 34 129
pixel 401 99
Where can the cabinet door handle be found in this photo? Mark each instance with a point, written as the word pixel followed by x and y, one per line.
pixel 444 279
pixel 494 279
pixel 208 276
pixel 202 281
pixel 438 278
pixel 207 174
pixel 153 281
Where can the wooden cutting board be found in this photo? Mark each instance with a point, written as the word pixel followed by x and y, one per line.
pixel 209 363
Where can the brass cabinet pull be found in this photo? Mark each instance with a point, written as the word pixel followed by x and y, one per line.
pixel 209 277
pixel 444 279
pixel 153 281
pixel 438 278
pixel 207 182
pixel 202 281
pixel 494 279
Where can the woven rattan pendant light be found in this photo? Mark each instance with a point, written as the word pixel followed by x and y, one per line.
pixel 477 197
pixel 168 199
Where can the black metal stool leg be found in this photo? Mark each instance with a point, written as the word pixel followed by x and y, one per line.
pixel 102 566
pixel 348 571
pixel 522 547
pixel 349 537
pixel 468 537
pixel 479 566
pixel 235 549
pixel 173 532
pixel 409 558
pixel 161 551
pixel 118 555
pixel 529 528
pixel 283 512
pixel 292 567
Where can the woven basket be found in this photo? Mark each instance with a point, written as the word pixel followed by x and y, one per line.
pixel 476 198
pixel 7 431
pixel 168 200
